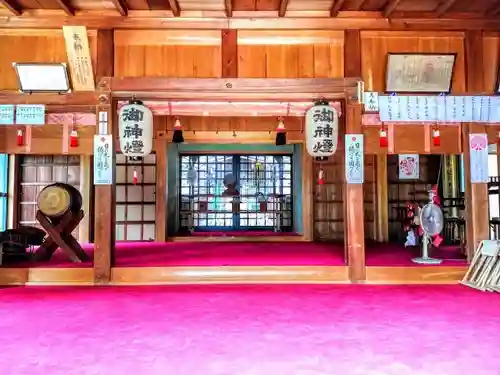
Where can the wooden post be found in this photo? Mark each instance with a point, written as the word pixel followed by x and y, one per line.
pixel 354 226
pixel 307 195
pixel 476 195
pixel 104 200
pixel 354 209
pixel 381 199
pixel 229 52
pixel 161 178
pixel 104 195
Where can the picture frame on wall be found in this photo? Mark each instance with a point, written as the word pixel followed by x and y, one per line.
pixel 421 73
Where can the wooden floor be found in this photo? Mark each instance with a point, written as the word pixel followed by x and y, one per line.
pixel 232 275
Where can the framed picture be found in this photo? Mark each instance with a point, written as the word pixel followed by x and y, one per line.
pixel 420 73
pixel 497 85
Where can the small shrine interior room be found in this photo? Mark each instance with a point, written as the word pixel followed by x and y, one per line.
pixel 267 141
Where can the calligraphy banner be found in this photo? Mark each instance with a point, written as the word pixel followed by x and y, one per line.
pixel 478 146
pixel 27 114
pixel 78 52
pixel 354 159
pixel 409 166
pixel 6 115
pixel 103 160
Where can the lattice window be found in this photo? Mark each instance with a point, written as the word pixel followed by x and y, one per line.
pixel 36 172
pixel 135 204
pixel 205 206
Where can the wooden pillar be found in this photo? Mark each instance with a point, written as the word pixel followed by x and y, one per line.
pixel 229 52
pixel 85 189
pixel 354 209
pixel 381 199
pixel 161 178
pixel 105 204
pixel 476 195
pixel 104 195
pixel 354 226
pixel 307 195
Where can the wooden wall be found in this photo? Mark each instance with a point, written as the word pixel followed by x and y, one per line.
pixel 259 54
pixel 33 46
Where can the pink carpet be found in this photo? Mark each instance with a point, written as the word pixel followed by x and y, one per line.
pixel 258 330
pixel 393 255
pixel 150 254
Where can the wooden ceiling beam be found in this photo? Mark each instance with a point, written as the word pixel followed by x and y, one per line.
pixel 174 7
pixel 390 7
pixel 12 6
pixel 444 7
pixel 228 8
pixel 335 8
pixel 64 5
pixel 359 5
pixel 283 8
pixel 121 7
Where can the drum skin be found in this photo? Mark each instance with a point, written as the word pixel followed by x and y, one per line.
pixel 57 199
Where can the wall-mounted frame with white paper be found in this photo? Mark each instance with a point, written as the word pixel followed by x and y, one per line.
pixel 419 72
pixel 409 166
pixel 42 77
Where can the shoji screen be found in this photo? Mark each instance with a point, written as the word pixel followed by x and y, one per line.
pixel 135 204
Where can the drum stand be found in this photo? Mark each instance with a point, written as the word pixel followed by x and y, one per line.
pixel 59 235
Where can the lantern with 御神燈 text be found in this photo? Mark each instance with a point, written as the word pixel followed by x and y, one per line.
pixel 322 122
pixel 135 129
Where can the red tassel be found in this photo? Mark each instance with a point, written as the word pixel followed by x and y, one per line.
pixel 384 141
pixel 73 139
pixel 135 177
pixel 436 137
pixel 321 177
pixel 20 138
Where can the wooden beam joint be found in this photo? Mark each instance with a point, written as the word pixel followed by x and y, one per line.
pixel 121 7
pixel 228 8
pixel 66 6
pixel 390 7
pixel 335 8
pixel 283 8
pixel 444 7
pixel 13 7
pixel 174 7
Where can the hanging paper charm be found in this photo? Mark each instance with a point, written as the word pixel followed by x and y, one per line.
pixel 321 177
pixel 20 138
pixel 73 139
pixel 322 122
pixel 436 137
pixel 280 133
pixel 134 179
pixel 384 141
pixel 135 129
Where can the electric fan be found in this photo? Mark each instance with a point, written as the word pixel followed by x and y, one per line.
pixel 431 221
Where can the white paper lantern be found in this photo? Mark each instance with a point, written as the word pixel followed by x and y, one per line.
pixel 135 129
pixel 322 123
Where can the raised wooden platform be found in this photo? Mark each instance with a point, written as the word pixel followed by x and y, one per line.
pixel 415 275
pixel 232 275
pixel 47 276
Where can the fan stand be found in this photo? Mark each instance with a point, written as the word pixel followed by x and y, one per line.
pixel 425 258
pixel 426 241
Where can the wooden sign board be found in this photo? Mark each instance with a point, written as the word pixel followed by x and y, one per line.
pixel 79 60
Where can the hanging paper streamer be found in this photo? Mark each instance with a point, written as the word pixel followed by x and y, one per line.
pixel 20 138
